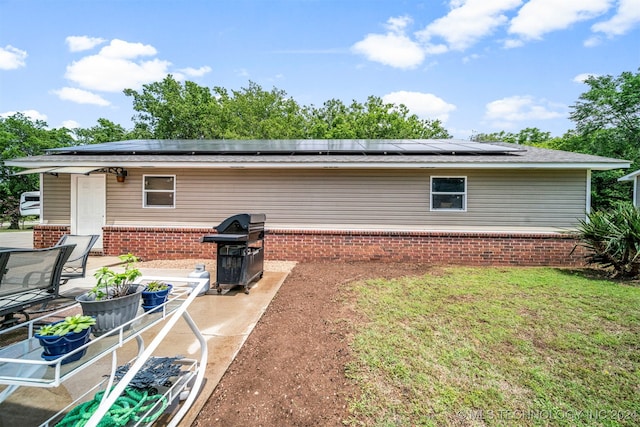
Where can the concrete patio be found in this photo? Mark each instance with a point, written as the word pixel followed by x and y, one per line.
pixel 225 320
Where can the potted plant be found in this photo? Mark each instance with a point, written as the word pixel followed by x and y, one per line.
pixel 64 336
pixel 114 300
pixel 154 294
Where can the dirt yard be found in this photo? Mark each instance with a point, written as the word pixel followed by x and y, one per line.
pixel 290 371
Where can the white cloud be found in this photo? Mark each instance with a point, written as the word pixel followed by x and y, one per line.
pixel 31 114
pixel 393 48
pixel 423 105
pixel 592 41
pixel 195 72
pixel 469 58
pixel 512 43
pixel 538 17
pixel 581 78
pixel 467 22
pixel 120 49
pixel 12 58
pixel 507 112
pixel 80 96
pixel 115 68
pixel 626 18
pixel 70 124
pixel 80 43
pixel 398 24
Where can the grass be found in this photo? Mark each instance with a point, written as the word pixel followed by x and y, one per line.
pixel 497 346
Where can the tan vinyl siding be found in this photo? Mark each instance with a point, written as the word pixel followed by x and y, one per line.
pixel 56 199
pixel 339 198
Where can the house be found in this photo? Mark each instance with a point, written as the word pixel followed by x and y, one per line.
pixel 435 201
pixel 633 177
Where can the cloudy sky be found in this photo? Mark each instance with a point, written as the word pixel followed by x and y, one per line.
pixel 477 65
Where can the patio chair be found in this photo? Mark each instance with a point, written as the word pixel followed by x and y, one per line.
pixel 29 277
pixel 76 265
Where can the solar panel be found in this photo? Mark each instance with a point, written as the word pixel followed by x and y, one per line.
pixel 292 146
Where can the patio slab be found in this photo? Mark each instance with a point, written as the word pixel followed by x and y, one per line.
pixel 225 320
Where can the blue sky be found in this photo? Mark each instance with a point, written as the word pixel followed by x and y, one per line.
pixel 477 65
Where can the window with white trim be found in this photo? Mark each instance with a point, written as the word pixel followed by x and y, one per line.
pixel 159 191
pixel 449 193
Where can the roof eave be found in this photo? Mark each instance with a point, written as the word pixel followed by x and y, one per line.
pixel 333 165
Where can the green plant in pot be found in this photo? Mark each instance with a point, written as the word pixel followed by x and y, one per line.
pixel 65 336
pixel 155 294
pixel 114 300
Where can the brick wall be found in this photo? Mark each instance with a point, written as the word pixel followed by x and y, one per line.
pixel 157 242
pixel 324 245
pixel 432 247
pixel 45 236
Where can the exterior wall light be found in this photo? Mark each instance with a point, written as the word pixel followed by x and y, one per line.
pixel 121 174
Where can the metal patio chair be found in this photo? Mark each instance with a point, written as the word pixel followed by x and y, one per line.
pixel 76 265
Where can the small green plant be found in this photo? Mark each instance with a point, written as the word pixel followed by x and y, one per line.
pixel 77 323
pixel 156 286
pixel 113 285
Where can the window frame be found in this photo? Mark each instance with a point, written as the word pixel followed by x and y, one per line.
pixel 463 194
pixel 145 191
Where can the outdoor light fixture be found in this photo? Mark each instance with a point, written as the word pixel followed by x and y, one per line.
pixel 120 173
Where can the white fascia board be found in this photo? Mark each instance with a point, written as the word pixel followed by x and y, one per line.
pixel 381 165
pixel 328 165
pixel 630 177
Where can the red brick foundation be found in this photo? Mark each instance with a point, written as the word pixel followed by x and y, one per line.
pixel 157 243
pixel 467 248
pixel 433 247
pixel 45 236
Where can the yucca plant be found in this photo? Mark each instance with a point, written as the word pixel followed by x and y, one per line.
pixel 612 239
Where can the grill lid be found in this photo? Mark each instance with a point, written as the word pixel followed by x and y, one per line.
pixel 241 223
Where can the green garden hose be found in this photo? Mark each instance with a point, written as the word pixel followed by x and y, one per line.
pixel 126 408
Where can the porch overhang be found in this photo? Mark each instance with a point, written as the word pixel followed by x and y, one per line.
pixel 83 170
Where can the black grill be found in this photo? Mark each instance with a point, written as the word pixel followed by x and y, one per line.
pixel 240 250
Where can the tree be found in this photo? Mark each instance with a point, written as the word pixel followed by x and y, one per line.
pixel 254 113
pixel 372 120
pixel 170 109
pixel 20 137
pixel 104 131
pixel 527 136
pixel 607 119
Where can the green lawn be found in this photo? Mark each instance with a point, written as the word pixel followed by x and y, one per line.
pixel 497 346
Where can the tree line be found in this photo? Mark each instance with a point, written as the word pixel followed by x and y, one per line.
pixel 606 118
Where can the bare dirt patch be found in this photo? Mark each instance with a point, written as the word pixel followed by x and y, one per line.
pixel 291 369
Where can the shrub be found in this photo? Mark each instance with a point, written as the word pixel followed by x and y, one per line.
pixel 613 239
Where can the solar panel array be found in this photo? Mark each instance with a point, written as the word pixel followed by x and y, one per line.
pixel 299 146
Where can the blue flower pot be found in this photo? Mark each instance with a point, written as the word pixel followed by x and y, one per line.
pixel 54 346
pixel 151 300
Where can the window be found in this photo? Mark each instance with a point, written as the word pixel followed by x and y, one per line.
pixel 449 193
pixel 159 191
